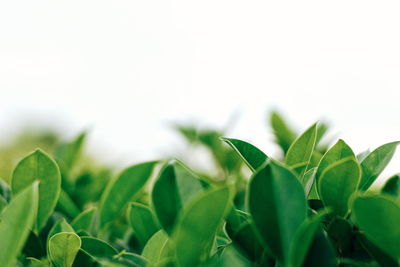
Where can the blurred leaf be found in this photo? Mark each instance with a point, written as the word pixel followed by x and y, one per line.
pixel 251 155
pixel 38 166
pixel 143 222
pixel 16 221
pixel 68 153
pixel 197 226
pixel 97 248
pixel 361 156
pixel 321 252
pixel 384 233
pixel 375 163
pixel 299 154
pixel 33 246
pixel 67 206
pixel 229 257
pixel 337 183
pixel 3 203
pixel 173 189
pixel 340 232
pixel 278 206
pixel 63 248
pixel 284 135
pixel 121 191
pixel 392 186
pixel 84 221
pixel 380 256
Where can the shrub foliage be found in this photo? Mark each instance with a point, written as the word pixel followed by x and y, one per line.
pixel 313 206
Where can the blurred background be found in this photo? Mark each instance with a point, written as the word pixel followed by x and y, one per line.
pixel 128 72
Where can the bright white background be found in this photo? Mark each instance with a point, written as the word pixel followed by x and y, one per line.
pixel 127 69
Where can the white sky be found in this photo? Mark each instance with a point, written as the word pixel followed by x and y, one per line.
pixel 128 68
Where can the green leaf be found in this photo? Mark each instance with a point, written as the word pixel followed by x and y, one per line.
pixel 321 252
pixel 69 153
pixel 381 257
pixel 157 248
pixel 337 183
pixel 229 257
pixel 299 154
pixel 392 186
pixel 307 181
pixel 67 206
pixel 340 233
pixel 97 248
pixel 84 221
pixel 284 135
pixel 251 155
pixel 3 203
pixel 143 222
pixel 60 226
pixel 122 190
pixel 173 189
pixel 63 248
pixel 38 166
pixel 16 221
pixel 244 238
pixel 337 152
pixel 197 227
pixel 278 205
pixel 378 218
pixel 375 163
pixel 303 239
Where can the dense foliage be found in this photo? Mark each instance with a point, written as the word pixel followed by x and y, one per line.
pixel 311 207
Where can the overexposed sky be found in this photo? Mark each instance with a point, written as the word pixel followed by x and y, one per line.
pixel 127 69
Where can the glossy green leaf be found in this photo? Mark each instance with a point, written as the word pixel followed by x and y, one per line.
pixel 375 163
pixel 143 222
pixel 299 154
pixel 303 239
pixel 157 248
pixel 122 190
pixel 197 227
pixel 337 183
pixel 337 152
pixel 97 248
pixel 38 166
pixel 251 155
pixel 174 188
pixel 16 221
pixel 384 233
pixel 278 206
pixel 392 186
pixel 63 248
pixel 284 135
pixel 85 220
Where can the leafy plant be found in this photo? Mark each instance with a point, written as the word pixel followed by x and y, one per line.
pixel 311 207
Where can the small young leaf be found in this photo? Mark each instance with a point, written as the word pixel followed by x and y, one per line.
pixel 196 229
pixel 251 155
pixel 337 152
pixel 278 205
pixel 67 154
pixel 121 191
pixel 63 248
pixel 375 163
pixel 38 166
pixel 299 154
pixel 378 217
pixel 175 186
pixel 392 186
pixel 143 222
pixel 337 183
pixel 84 221
pixel 308 180
pixel 16 220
